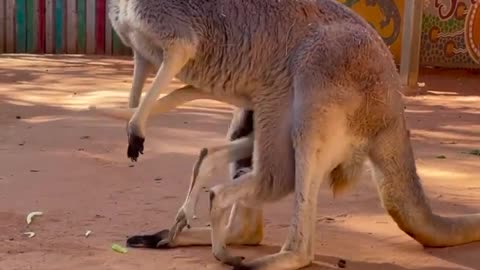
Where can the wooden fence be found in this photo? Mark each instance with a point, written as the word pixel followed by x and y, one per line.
pixel 58 26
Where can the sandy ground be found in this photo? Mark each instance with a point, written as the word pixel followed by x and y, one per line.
pixel 72 165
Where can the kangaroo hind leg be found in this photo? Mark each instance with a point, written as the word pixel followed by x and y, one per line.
pixel 321 143
pixel 271 177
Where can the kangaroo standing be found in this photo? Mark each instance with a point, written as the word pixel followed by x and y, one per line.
pixel 326 97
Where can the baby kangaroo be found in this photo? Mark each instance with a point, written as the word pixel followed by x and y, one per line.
pixel 325 94
pixel 238 153
pixel 245 225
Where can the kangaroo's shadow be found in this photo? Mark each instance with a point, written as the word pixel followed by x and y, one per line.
pixel 324 262
pixel 464 255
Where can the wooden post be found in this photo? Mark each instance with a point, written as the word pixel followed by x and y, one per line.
pixel 21 26
pixel 100 27
pixel 10 26
pixel 90 28
pixel 41 32
pixel 108 32
pixel 2 25
pixel 31 29
pixel 60 31
pixel 49 26
pixel 81 26
pixel 411 41
pixel 71 37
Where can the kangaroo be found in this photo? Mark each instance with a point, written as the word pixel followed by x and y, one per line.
pixel 238 152
pixel 242 125
pixel 326 96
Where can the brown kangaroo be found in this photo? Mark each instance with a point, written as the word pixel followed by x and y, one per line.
pixel 326 96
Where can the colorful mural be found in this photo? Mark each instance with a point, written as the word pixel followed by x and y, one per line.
pixel 385 16
pixel 450 28
pixel 451 33
pixel 472 32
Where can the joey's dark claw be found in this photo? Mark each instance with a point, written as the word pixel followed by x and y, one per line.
pixel 149 240
pixel 242 266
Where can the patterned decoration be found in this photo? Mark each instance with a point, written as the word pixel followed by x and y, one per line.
pixel 472 32
pixel 451 33
pixel 450 28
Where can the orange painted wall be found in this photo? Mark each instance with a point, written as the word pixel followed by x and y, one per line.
pixel 385 16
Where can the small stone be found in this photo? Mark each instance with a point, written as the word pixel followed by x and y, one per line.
pixel 158 179
pixel 34 171
pixel 85 137
pixel 131 165
pixel 342 263
pixel 18 117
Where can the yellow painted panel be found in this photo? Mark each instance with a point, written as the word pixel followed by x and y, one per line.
pixel 385 16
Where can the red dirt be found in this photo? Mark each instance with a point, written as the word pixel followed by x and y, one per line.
pixel 72 165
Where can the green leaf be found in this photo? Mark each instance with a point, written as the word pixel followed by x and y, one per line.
pixel 119 249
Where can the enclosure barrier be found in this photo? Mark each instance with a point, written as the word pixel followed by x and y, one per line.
pixel 58 26
pixel 449 35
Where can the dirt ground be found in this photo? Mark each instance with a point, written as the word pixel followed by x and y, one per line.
pixel 72 165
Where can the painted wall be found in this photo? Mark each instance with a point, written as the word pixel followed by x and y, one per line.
pixel 450 30
pixel 385 16
pixel 451 33
pixel 57 26
pixel 81 26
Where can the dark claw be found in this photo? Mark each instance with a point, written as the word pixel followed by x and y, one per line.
pixel 240 172
pixel 148 240
pixel 135 146
pixel 242 266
